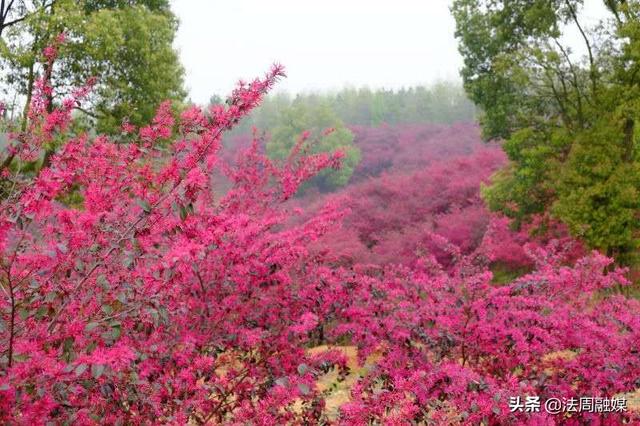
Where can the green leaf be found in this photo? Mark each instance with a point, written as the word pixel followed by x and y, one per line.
pixel 128 261
pixel 282 381
pixel 122 298
pixel 97 370
pixel 146 207
pixel 164 314
pixel 79 265
pixel 20 357
pixel 51 296
pixel 154 314
pixel 91 326
pixel 168 273
pixel 41 312
pixel 81 368
pixel 67 349
pixel 183 212
pixel 102 281
pixel 116 331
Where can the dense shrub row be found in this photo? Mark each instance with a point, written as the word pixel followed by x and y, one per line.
pixel 157 299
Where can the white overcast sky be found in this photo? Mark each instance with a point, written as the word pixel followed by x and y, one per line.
pixel 324 45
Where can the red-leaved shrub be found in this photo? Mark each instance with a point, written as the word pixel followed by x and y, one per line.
pixel 134 294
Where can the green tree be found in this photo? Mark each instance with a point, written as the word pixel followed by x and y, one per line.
pixel 127 45
pixel 315 115
pixel 442 102
pixel 568 120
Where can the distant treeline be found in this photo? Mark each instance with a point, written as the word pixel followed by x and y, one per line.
pixel 442 102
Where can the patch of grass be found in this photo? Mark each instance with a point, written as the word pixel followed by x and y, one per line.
pixel 504 274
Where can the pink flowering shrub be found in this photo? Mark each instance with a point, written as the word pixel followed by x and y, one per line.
pixel 392 217
pixel 511 247
pixel 412 147
pixel 452 348
pixel 155 299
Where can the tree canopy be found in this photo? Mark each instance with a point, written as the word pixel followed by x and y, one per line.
pixel 441 102
pixel 126 45
pixel 327 134
pixel 567 112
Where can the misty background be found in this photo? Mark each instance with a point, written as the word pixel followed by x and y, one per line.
pixel 325 46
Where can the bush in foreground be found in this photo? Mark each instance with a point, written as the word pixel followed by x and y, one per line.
pixel 152 300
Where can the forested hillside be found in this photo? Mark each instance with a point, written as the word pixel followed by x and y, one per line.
pixel 433 255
